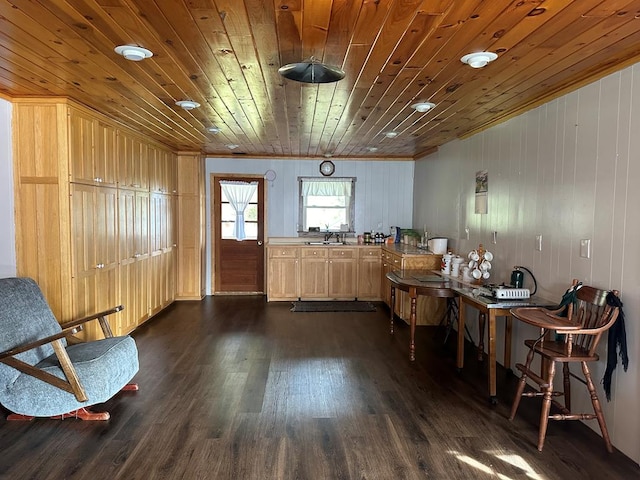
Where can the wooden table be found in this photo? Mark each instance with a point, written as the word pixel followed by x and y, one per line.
pixel 490 309
pixel 417 282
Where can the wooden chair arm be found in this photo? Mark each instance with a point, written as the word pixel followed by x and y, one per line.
pixel 106 328
pixel 65 333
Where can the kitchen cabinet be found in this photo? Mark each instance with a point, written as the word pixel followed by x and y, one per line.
pixel 283 273
pixel 190 255
pixel 94 253
pixel 342 273
pixel 86 241
pixel 92 149
pixel 133 162
pixel 314 273
pixel 369 273
pixel 328 273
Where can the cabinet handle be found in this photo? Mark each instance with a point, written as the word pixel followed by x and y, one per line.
pixel 96 179
pixel 136 255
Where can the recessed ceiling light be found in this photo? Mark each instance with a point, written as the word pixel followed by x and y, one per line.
pixel 423 106
pixel 479 60
pixel 214 130
pixel 232 146
pixel 133 52
pixel 187 104
pixel 391 134
pixel 372 149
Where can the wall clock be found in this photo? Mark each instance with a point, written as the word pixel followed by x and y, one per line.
pixel 327 168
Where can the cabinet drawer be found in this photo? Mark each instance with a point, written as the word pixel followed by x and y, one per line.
pixel 314 253
pixel 371 253
pixel 283 252
pixel 342 252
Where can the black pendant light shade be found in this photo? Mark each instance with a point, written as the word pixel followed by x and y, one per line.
pixel 311 71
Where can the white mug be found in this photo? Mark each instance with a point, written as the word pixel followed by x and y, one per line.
pixel 486 274
pixel 488 256
pixel 477 274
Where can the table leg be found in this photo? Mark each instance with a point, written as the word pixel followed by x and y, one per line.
pixel 460 353
pixel 492 357
pixel 507 342
pixel 482 319
pixel 412 325
pixel 393 306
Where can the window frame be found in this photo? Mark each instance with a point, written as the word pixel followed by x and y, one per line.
pixel 351 207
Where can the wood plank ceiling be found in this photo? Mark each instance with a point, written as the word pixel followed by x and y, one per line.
pixel 225 55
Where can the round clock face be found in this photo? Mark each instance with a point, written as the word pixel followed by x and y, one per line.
pixel 327 168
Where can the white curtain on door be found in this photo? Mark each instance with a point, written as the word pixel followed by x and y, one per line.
pixel 239 194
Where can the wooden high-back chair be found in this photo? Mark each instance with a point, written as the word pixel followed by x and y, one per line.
pixel 581 325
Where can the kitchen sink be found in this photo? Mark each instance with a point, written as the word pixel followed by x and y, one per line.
pixel 325 243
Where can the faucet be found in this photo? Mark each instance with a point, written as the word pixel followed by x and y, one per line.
pixel 327 236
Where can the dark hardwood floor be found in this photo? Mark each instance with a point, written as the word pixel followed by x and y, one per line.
pixel 235 388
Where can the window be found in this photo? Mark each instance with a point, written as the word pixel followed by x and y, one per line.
pixel 326 204
pixel 229 216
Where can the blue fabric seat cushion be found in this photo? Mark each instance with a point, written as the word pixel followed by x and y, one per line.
pixel 103 366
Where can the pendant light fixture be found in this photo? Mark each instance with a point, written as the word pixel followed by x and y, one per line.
pixel 311 71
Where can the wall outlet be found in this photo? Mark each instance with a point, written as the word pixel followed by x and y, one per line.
pixel 585 248
pixel 539 243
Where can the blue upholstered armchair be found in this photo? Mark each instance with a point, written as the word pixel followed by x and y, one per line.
pixel 44 374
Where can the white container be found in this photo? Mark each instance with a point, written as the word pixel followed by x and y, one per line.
pixel 438 245
pixel 446 263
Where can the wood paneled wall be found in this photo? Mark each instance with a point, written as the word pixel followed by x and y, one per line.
pixel 567 170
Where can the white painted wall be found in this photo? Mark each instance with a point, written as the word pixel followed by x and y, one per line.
pixel 384 193
pixel 568 170
pixel 8 230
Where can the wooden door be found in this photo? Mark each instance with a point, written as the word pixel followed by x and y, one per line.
pixel 238 265
pixel 81 130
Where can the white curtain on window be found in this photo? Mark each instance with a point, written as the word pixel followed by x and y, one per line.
pixel 328 187
pixel 239 194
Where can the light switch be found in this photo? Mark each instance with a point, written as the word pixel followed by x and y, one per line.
pixel 585 248
pixel 539 243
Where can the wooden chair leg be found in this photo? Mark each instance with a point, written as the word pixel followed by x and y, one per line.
pixel 546 405
pixel 522 383
pixel 130 387
pixel 596 407
pixel 566 382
